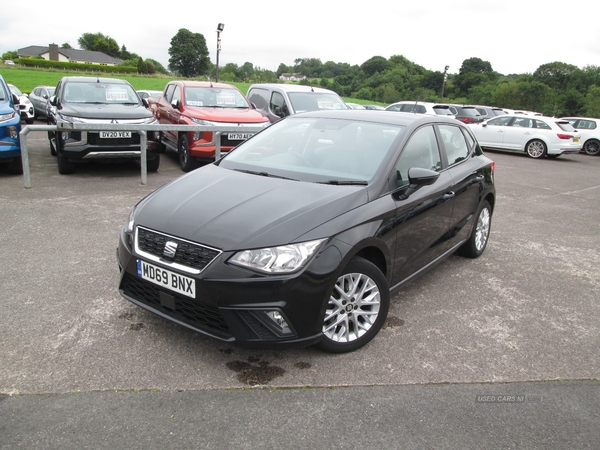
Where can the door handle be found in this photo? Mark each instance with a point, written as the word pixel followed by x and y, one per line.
pixel 449 195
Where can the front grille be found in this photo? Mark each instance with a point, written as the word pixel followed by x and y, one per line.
pixel 189 311
pixel 188 254
pixel 94 139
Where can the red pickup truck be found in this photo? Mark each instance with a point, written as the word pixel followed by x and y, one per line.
pixel 202 103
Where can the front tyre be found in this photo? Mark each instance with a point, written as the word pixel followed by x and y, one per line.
pixel 478 240
pixel 535 149
pixel 357 307
pixel 152 164
pixel 592 147
pixel 186 161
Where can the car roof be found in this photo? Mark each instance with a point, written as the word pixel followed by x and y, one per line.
pixel 379 116
pixel 525 116
pixel 595 119
pixel 292 88
pixel 77 79
pixel 203 84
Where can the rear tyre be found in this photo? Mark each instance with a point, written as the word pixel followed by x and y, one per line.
pixel 186 161
pixel 478 240
pixel 592 147
pixel 357 307
pixel 535 149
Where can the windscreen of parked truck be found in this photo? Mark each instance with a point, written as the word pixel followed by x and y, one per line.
pixel 214 97
pixel 315 101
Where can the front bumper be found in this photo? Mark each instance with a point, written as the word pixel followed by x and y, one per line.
pixel 236 305
pixel 81 145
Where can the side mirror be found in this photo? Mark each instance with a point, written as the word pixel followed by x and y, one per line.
pixel 145 102
pixel 53 100
pixel 422 177
pixel 279 112
pixel 176 104
pixel 417 178
pixel 484 124
pixel 16 100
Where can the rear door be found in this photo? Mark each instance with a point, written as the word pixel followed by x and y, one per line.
pixel 467 175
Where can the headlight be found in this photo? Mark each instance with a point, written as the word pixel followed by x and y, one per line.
pixel 273 260
pixel 69 119
pixel 8 116
pixel 202 122
pixel 130 221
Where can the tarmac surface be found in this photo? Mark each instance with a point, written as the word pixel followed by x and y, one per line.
pixel 83 368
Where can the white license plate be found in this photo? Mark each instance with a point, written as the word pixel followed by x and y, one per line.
pixel 115 134
pixel 239 136
pixel 167 279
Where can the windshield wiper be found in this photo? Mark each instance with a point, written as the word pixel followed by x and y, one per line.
pixel 263 174
pixel 345 182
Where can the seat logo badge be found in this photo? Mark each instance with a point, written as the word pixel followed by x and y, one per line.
pixel 170 249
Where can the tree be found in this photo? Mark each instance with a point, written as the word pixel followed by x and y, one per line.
pixel 376 64
pixel 66 45
pixel 474 71
pixel 99 43
pixel 141 66
pixel 557 75
pixel 189 54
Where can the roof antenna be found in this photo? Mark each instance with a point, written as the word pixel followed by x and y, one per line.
pixel 415 107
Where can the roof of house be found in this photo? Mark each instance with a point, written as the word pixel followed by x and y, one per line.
pixel 73 54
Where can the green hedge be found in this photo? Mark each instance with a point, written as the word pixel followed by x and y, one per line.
pixel 35 62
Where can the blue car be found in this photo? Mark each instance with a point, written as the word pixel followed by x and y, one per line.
pixel 10 126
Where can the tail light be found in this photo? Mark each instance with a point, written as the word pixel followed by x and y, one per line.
pixel 564 136
pixel 493 166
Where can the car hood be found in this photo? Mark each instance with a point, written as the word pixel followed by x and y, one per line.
pixel 105 111
pixel 231 210
pixel 230 115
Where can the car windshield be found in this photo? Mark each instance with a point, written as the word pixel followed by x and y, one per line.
pixel 214 97
pixel 322 150
pixel 315 101
pixel 95 92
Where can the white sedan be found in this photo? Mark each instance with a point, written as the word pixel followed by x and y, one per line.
pixel 590 133
pixel 537 136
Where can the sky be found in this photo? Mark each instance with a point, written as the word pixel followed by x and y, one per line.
pixel 513 36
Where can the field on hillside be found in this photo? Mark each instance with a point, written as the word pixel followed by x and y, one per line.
pixel 27 79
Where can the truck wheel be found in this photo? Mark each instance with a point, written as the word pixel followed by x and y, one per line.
pixel 186 161
pixel 65 167
pixel 15 167
pixel 152 164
